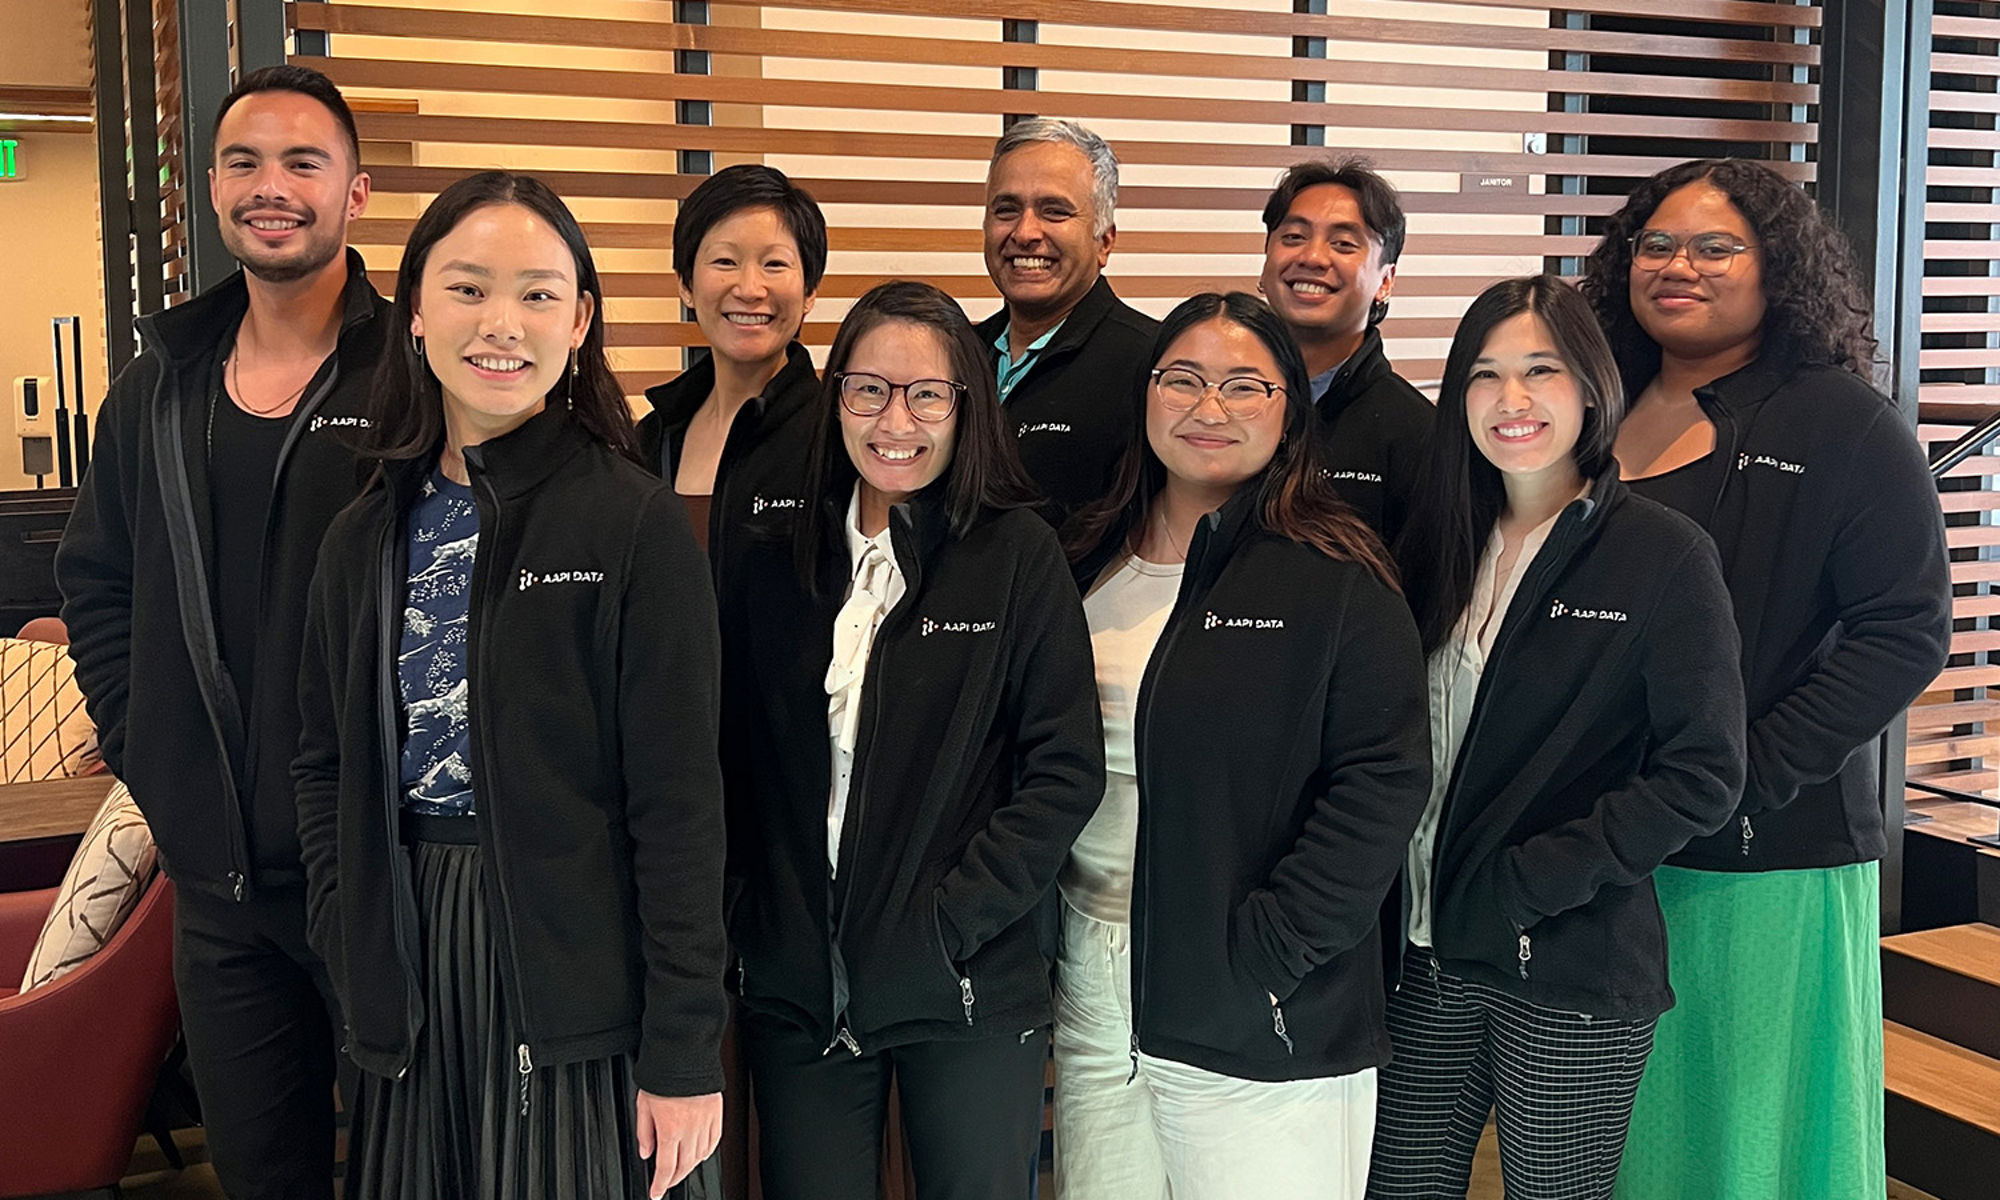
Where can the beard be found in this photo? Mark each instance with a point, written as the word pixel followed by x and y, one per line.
pixel 316 246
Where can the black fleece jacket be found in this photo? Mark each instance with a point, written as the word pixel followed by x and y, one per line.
pixel 1375 428
pixel 1283 761
pixel 1833 545
pixel 1607 731
pixel 1073 410
pixel 979 758
pixel 760 479
pixel 210 769
pixel 592 673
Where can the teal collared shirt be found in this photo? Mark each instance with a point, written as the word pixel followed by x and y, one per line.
pixel 1012 372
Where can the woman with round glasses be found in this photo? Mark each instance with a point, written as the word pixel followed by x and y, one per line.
pixel 1219 991
pixel 1741 328
pixel 911 743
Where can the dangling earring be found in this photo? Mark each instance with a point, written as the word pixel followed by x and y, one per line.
pixel 417 344
pixel 569 398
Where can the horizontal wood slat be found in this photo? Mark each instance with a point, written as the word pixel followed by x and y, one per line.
pixel 659 35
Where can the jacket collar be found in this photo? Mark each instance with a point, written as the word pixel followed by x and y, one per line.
pixel 679 398
pixel 1076 328
pixel 1752 383
pixel 188 332
pixel 518 461
pixel 1368 363
pixel 918 528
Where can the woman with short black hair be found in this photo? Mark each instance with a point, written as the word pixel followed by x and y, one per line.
pixel 911 743
pixel 1741 326
pixel 1586 722
pixel 731 432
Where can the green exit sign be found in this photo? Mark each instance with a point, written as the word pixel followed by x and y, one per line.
pixel 10 159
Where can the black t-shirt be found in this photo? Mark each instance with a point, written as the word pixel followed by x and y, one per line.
pixel 242 465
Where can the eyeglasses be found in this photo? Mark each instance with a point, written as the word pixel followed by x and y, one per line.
pixel 1242 396
pixel 1707 253
pixel 928 400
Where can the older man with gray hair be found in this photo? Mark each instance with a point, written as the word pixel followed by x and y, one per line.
pixel 1067 351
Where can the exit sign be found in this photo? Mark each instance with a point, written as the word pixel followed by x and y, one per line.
pixel 10 159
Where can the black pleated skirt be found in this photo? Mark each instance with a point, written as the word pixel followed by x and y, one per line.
pixel 464 1123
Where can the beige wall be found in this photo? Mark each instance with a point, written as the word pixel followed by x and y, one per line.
pixel 49 221
pixel 46 43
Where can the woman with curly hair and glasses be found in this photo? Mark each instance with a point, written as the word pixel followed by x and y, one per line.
pixel 1741 327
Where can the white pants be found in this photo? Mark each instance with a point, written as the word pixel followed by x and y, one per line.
pixel 1177 1131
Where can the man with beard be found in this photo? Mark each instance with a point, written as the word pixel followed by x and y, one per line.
pixel 219 461
pixel 1069 353
pixel 1333 230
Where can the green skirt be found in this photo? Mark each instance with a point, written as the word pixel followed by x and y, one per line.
pixel 1766 1077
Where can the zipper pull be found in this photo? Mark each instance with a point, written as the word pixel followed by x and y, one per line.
pixel 1278 1026
pixel 965 996
pixel 527 1069
pixel 739 977
pixel 1527 952
pixel 1748 833
pixel 1135 1059
pixel 236 882
pixel 846 1038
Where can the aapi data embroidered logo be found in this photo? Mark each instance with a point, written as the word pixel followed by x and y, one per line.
pixel 928 627
pixel 1044 427
pixel 1746 461
pixel 318 423
pixel 1559 609
pixel 530 579
pixel 761 503
pixel 1351 476
pixel 1212 620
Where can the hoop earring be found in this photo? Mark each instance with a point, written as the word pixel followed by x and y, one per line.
pixel 569 397
pixel 417 345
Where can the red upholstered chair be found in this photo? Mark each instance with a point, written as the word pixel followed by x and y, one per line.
pixel 45 629
pixel 81 1051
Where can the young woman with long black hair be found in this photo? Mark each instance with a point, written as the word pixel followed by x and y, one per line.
pixel 1586 722
pixel 912 743
pixel 1219 992
pixel 1740 323
pixel 510 802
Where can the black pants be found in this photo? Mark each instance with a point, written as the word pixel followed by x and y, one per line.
pixel 258 1013
pixel 971 1109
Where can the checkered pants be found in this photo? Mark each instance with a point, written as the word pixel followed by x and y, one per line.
pixel 1563 1083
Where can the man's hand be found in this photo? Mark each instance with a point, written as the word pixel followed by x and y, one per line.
pixel 677 1133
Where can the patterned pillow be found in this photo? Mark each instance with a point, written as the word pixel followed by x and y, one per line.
pixel 44 731
pixel 103 885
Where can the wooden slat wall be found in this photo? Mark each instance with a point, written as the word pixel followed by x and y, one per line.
pixel 1955 727
pixel 887 110
pixel 173 164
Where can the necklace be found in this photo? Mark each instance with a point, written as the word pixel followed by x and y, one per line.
pixel 1179 551
pixel 236 391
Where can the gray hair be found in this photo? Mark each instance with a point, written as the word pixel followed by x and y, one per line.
pixel 1103 163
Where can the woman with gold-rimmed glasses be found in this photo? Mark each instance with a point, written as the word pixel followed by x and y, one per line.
pixel 1741 328
pixel 1219 990
pixel 911 744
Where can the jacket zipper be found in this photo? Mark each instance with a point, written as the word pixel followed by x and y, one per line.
pixel 1748 833
pixel 481 573
pixel 1278 1024
pixel 405 901
pixel 1190 571
pixel 1527 952
pixel 857 791
pixel 1537 586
